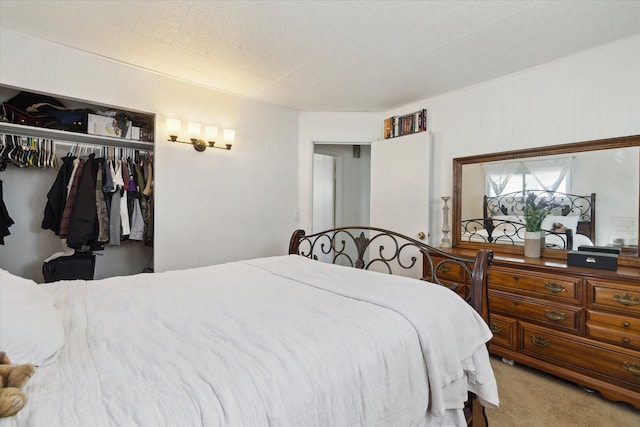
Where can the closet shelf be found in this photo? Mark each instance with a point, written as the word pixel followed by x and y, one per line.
pixel 78 138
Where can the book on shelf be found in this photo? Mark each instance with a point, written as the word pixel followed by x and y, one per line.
pixel 407 124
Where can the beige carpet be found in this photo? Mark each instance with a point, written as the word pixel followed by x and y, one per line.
pixel 532 398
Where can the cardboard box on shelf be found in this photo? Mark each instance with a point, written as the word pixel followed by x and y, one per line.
pixel 108 126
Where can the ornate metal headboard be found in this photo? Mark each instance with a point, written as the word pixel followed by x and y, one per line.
pixel 568 205
pixel 382 250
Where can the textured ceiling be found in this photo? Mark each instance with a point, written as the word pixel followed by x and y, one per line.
pixel 328 55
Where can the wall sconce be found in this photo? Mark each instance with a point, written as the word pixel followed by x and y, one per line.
pixel 194 129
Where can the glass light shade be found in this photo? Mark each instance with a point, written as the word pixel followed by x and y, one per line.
pixel 173 127
pixel 194 130
pixel 229 136
pixel 211 132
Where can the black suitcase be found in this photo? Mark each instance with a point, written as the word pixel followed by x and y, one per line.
pixel 80 265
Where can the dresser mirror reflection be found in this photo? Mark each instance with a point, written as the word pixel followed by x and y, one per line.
pixel 594 185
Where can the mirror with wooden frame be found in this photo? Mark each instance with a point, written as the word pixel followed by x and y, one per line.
pixel 592 190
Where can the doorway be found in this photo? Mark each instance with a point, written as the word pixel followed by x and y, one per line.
pixel 341 185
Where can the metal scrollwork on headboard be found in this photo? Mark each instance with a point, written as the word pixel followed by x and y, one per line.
pixel 507 232
pixel 350 246
pixel 513 204
pixel 566 205
pixel 371 248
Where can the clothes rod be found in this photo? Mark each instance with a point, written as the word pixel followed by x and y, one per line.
pixel 72 137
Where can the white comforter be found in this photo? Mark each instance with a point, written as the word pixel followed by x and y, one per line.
pixel 282 341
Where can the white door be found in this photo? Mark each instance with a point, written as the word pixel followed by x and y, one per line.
pixel 400 196
pixel 401 184
pixel 323 192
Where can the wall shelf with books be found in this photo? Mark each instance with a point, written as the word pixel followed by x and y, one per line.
pixel 407 124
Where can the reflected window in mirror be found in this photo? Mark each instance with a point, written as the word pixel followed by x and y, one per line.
pixel 594 185
pixel 552 174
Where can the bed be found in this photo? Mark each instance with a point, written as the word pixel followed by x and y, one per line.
pixel 283 340
pixel 571 224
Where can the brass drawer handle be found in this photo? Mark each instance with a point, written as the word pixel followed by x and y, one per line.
pixel 539 341
pixel 626 340
pixel 632 369
pixel 626 299
pixel 626 324
pixel 554 315
pixel 554 287
pixel 495 328
pixel 445 268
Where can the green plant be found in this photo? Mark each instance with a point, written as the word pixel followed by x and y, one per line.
pixel 535 212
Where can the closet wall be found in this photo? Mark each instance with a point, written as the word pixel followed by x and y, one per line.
pixel 210 207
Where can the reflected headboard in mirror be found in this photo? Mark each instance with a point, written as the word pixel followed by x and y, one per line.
pixel 569 176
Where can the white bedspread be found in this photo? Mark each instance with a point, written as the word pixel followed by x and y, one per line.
pixel 282 341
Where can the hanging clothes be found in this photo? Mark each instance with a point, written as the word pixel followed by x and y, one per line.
pixel 124 216
pixel 137 222
pixel 101 206
pixel 147 205
pixel 5 220
pixel 83 229
pixel 72 191
pixel 121 180
pixel 109 174
pixel 114 219
pixel 102 200
pixel 57 197
pixel 133 196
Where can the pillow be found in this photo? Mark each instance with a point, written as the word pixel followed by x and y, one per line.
pixel 568 222
pixel 31 328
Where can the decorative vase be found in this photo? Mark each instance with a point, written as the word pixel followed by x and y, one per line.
pixel 543 240
pixel 532 244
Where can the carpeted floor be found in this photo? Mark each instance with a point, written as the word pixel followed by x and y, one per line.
pixel 529 398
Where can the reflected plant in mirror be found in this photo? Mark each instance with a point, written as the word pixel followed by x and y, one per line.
pixel 535 211
pixel 491 191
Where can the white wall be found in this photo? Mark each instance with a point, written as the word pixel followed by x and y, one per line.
pixel 592 95
pixel 210 207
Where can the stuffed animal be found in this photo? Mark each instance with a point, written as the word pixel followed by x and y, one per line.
pixel 558 227
pixel 12 378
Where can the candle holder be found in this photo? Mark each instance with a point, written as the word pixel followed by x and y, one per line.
pixel 445 242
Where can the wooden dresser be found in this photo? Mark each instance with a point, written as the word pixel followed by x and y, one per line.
pixel 579 324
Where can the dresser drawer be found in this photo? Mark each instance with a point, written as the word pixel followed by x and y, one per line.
pixel 619 366
pixel 621 298
pixel 631 324
pixel 504 331
pixel 615 329
pixel 446 270
pixel 561 288
pixel 613 336
pixel 451 275
pixel 455 285
pixel 568 318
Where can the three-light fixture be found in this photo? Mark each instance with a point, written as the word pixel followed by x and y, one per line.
pixel 195 131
